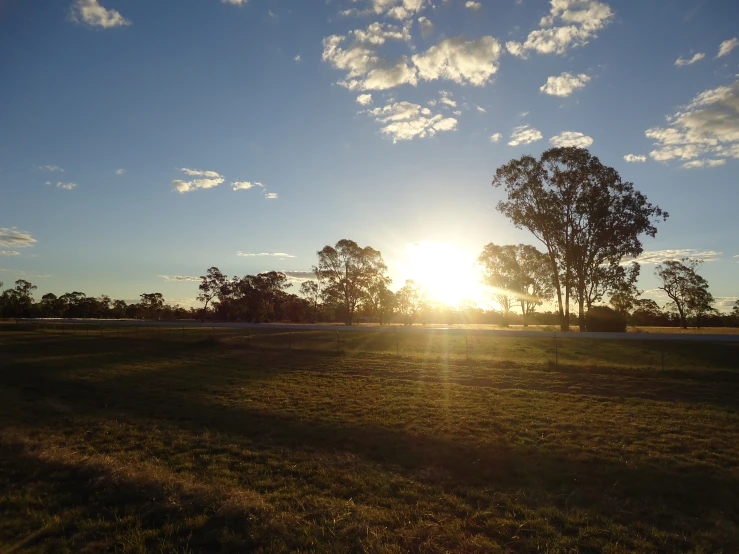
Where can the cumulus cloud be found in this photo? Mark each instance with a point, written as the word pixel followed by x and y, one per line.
pixel 120 171
pixel 297 58
pixel 703 163
pixel 405 121
pixel 634 158
pixel 698 57
pixel 570 23
pixel 245 185
pixel 51 168
pixel 565 84
pixel 9 253
pixel 446 99
pixel 66 186
pixel 472 5
pixel 727 46
pixel 571 138
pixel 209 179
pixel 15 238
pixel 364 99
pixel 427 26
pixel 495 137
pixel 464 62
pixel 185 278
pixel 481 109
pixel 707 129
pixel 264 254
pixel 235 2
pixel 524 134
pixel 270 195
pixel 91 13
pixel 299 275
pixel 660 256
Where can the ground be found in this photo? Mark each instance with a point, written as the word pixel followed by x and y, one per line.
pixel 172 443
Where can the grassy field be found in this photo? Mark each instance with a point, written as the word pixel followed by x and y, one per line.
pixel 154 443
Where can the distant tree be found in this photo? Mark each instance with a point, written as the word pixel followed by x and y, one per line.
pixel 152 304
pixel 410 301
pixel 621 285
pixel 582 212
pixel 312 292
pixel 521 275
pixel 210 287
pixel 18 301
pixel 348 270
pixel 119 308
pixel 687 290
pixel 647 312
pixel 734 310
pixel 379 298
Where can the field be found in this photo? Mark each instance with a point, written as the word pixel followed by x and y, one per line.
pixel 164 441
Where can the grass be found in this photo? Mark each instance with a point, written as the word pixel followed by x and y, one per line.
pixel 239 444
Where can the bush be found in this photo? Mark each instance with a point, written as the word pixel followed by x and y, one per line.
pixel 602 319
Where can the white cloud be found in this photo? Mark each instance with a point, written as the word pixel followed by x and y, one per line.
pixel 120 171
pixel 185 278
pixel 524 114
pixel 707 128
pixel 565 84
pixel 659 256
pixel 9 253
pixel 571 138
pixel 92 13
pixel 245 185
pixel 199 173
pixel 698 57
pixel 481 109
pixel 14 238
pixel 209 180
pixel 264 254
pixel 580 21
pixel 524 134
pixel 464 62
pixel 51 168
pixel 446 99
pixel 704 163
pixel 66 186
pixel 405 121
pixel 496 137
pixel 427 26
pixel 472 5
pixel 297 58
pixel 270 195
pixel 634 158
pixel 727 46
pixel 364 99
pixel 235 2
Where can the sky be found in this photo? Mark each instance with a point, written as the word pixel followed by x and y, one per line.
pixel 143 142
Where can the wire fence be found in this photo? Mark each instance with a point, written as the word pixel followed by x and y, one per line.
pixel 663 351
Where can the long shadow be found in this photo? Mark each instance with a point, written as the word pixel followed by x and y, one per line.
pixel 544 474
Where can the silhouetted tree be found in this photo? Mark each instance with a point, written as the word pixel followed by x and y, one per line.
pixel 379 298
pixel 410 300
pixel 621 284
pixel 312 292
pixel 581 211
pixel 687 290
pixel 210 287
pixel 151 304
pixel 348 270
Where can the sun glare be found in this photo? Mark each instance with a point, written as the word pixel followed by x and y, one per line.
pixel 446 274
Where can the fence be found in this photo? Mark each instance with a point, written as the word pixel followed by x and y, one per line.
pixel 517 347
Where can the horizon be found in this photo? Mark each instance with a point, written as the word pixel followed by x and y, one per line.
pixel 142 144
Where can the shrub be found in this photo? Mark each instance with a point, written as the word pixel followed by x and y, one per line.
pixel 602 319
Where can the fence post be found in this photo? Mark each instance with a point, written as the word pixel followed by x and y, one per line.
pixel 338 342
pixel 397 343
pixel 556 351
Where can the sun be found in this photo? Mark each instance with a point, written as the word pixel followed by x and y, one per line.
pixel 446 273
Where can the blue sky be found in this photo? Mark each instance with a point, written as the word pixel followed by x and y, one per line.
pixel 127 125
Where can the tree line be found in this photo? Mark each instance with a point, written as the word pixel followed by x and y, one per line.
pixel 588 221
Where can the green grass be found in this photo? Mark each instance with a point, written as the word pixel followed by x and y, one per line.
pixel 172 444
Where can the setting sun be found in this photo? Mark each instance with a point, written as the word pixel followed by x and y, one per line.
pixel 446 273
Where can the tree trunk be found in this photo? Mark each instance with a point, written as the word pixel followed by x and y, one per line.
pixel 581 313
pixel 523 314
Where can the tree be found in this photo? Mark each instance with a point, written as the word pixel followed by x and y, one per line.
pixel 410 300
pixel 18 301
pixel 312 292
pixel 687 290
pixel 152 304
pixel 520 274
pixel 379 298
pixel 582 212
pixel 210 287
pixel 623 291
pixel 348 270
